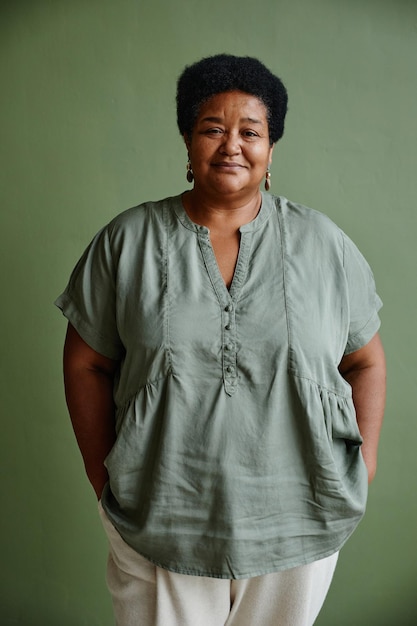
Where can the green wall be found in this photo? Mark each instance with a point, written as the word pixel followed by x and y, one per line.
pixel 88 129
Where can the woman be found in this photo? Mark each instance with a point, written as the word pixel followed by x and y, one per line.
pixel 215 340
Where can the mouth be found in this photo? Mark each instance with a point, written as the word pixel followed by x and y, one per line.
pixel 227 165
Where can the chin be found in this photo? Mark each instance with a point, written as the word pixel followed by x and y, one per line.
pixel 229 187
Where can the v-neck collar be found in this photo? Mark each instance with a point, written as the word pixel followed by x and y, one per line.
pixel 224 294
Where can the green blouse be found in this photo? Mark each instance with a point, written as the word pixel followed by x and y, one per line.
pixel 238 451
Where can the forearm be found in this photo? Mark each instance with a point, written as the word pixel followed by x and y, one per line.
pixel 89 393
pixel 367 379
pixel 368 390
pixel 90 403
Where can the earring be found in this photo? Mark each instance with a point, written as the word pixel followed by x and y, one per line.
pixel 190 175
pixel 267 180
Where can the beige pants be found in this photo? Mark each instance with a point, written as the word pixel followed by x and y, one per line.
pixel 146 595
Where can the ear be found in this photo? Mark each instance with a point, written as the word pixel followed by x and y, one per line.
pixel 271 149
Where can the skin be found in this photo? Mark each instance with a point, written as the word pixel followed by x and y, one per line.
pixel 88 379
pixel 229 152
pixel 365 371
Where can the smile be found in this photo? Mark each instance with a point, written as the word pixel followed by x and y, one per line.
pixel 228 165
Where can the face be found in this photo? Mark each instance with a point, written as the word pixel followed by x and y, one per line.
pixel 229 148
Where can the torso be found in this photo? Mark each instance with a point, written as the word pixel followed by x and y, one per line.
pixel 229 403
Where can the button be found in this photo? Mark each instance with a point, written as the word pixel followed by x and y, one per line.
pixel 228 326
pixel 229 308
pixel 229 346
pixel 230 369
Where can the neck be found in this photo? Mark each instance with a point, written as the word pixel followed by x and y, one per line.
pixel 225 212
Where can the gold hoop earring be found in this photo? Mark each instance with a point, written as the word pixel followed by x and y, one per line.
pixel 190 175
pixel 267 180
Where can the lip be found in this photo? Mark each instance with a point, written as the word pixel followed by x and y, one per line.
pixel 228 165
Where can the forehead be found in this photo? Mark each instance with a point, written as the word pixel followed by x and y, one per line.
pixel 233 103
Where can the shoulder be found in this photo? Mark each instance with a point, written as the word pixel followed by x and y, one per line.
pixel 302 216
pixel 313 237
pixel 130 229
pixel 141 214
pixel 302 225
pixel 133 226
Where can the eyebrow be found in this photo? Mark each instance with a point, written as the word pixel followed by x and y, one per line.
pixel 219 120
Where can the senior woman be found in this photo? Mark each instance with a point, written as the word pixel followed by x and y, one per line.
pixel 224 377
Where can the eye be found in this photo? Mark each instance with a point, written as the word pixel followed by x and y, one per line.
pixel 213 131
pixel 250 133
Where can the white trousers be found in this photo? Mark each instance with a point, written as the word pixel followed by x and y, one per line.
pixel 144 594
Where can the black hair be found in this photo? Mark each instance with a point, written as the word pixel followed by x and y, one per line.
pixel 225 72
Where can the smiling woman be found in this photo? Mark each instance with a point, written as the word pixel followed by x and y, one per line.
pixel 224 377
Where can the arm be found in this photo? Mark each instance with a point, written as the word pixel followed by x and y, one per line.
pixel 88 378
pixel 365 371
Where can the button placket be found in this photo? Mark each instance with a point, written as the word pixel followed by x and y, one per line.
pixel 229 350
pixel 227 302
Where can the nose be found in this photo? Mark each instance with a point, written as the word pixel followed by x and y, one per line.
pixel 230 144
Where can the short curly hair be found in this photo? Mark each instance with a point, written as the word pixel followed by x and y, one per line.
pixel 225 72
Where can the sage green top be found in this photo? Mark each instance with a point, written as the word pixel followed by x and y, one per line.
pixel 238 451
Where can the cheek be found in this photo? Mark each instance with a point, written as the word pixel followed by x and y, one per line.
pixel 262 159
pixel 200 152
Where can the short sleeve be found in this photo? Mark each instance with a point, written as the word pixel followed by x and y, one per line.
pixel 364 302
pixel 90 299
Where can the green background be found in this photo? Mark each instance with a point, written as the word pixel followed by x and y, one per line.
pixel 88 129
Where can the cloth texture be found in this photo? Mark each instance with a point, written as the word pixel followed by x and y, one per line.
pixel 147 595
pixel 237 451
